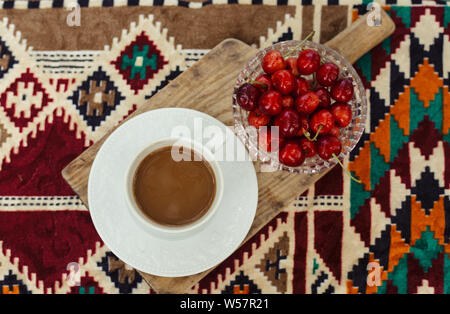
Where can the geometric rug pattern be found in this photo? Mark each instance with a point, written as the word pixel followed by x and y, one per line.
pixel 404 161
pixel 60 95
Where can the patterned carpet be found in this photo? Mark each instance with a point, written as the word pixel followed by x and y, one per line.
pixel 62 87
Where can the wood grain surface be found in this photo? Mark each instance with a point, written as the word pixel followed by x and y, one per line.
pixel 208 86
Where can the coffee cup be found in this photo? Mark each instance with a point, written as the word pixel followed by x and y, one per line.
pixel 132 195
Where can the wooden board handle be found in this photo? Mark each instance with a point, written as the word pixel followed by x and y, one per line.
pixel 359 37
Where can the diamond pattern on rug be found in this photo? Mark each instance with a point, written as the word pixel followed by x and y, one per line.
pixel 96 98
pixel 427 29
pixel 426 83
pixel 139 62
pixel 426 249
pixel 24 99
pixel 426 137
pixel 427 190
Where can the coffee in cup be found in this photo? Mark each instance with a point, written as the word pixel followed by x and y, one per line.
pixel 173 192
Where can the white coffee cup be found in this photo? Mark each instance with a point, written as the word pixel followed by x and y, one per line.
pixel 153 226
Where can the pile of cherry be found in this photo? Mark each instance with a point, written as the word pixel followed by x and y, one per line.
pixel 307 120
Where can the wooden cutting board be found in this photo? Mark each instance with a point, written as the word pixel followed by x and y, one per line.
pixel 208 87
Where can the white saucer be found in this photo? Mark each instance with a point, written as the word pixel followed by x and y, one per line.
pixel 158 253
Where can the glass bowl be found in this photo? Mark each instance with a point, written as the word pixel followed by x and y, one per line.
pixel 350 135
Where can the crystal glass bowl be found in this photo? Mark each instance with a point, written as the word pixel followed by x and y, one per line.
pixel 350 135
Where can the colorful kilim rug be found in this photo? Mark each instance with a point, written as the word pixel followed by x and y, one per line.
pixel 335 238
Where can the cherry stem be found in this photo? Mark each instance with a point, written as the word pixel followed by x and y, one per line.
pixel 317 134
pixel 299 45
pixel 259 83
pixel 345 169
pixel 307 135
pixel 314 81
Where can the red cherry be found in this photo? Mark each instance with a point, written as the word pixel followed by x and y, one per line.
pixel 269 142
pixel 324 97
pixel 308 61
pixel 264 79
pixel 273 61
pixel 308 147
pixel 327 145
pixel 288 122
pixel 322 118
pixel 327 74
pixel 292 66
pixel 301 87
pixel 287 101
pixel 342 114
pixel 304 125
pixel 258 119
pixel 291 154
pixel 247 96
pixel 283 81
pixel 307 103
pixel 335 131
pixel 270 103
pixel 342 90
